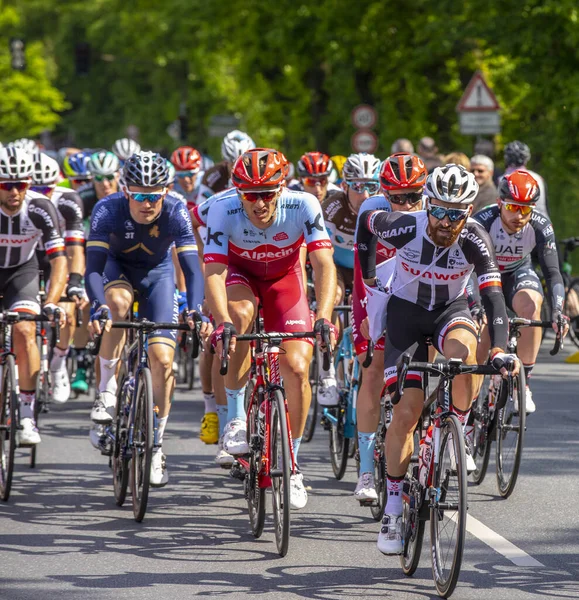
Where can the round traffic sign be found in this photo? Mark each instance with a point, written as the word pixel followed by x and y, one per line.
pixel 364 116
pixel 364 140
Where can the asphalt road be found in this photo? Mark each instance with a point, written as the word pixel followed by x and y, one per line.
pixel 62 536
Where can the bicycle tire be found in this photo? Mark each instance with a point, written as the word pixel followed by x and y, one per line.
pixel 142 444
pixel 312 418
pixel 192 367
pixel 120 462
pixel 573 321
pixel 280 467
pixel 339 444
pixel 451 433
pixel 414 533
pixel 254 494
pixel 377 510
pixel 9 420
pixel 483 427
pixel 506 482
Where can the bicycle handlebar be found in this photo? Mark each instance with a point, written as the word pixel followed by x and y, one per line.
pixel 369 355
pixel 517 322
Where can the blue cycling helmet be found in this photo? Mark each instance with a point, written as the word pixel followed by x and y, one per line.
pixel 77 165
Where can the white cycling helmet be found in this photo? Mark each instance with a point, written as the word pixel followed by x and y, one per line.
pixel 125 147
pixel 146 169
pixel 451 183
pixel 15 164
pixel 103 163
pixel 45 170
pixel 25 144
pixel 172 173
pixel 361 167
pixel 235 143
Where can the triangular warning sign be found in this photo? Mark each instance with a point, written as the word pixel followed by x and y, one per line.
pixel 478 96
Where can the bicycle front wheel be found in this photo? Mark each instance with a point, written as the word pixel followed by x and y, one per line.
pixel 142 444
pixel 253 492
pixel 120 462
pixel 448 509
pixel 280 471
pixel 8 426
pixel 511 423
pixel 482 423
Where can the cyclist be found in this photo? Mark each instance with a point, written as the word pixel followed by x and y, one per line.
pixel 26 218
pixel 129 248
pixel 218 177
pixel 340 210
pixel 436 251
pixel 254 235
pixel 29 146
pixel 517 154
pixel 338 161
pixel 314 169
pixel 516 229
pixel 187 163
pixel 68 207
pixel 75 167
pixel 402 179
pixel 125 148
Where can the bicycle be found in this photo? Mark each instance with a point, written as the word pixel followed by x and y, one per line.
pixel 270 462
pixel 9 399
pixel 132 436
pixel 571 307
pixel 435 486
pixel 499 414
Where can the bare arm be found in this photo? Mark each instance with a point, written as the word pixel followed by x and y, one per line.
pixel 325 281
pixel 57 279
pixel 216 293
pixel 76 262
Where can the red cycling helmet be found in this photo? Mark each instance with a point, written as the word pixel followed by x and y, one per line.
pixel 259 168
pixel 520 187
pixel 186 158
pixel 315 164
pixel 403 171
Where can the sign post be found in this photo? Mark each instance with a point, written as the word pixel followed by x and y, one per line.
pixel 478 109
pixel 364 119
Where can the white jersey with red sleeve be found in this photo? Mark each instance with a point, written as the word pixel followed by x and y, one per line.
pixel 265 253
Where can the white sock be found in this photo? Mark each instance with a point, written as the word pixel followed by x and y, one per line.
pixel 58 359
pixel 161 424
pixel 210 405
pixel 108 382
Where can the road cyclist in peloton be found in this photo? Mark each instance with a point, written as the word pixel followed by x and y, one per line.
pixel 436 252
pixel 124 148
pixel 314 169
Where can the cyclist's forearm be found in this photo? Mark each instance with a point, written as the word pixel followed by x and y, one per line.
pixel 76 262
pixel 95 266
pixel 193 276
pixel 498 322
pixel 59 272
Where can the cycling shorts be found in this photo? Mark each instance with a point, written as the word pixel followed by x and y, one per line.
pixel 156 295
pixel 283 300
pixel 408 323
pixel 522 278
pixel 19 288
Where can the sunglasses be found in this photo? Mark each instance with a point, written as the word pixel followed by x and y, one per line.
pixel 409 198
pixel 453 214
pixel 8 186
pixel 79 180
pixel 183 174
pixel 255 196
pixel 372 187
pixel 146 197
pixel 315 181
pixel 42 189
pixel 101 178
pixel 525 210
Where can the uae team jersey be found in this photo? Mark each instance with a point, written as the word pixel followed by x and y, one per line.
pixel 21 234
pixel 265 253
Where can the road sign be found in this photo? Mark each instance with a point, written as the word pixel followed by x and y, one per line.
pixel 17 54
pixel 364 140
pixel 478 96
pixel 479 123
pixel 364 116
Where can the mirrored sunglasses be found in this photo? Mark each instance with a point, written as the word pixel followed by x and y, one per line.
pixel 255 196
pixel 525 210
pixel 7 186
pixel 372 187
pixel 453 214
pixel 315 181
pixel 401 199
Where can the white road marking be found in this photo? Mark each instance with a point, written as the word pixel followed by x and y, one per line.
pixel 501 545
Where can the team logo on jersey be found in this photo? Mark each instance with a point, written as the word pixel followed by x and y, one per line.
pixel 281 236
pixel 154 231
pixel 129 225
pixel 315 225
pixel 214 237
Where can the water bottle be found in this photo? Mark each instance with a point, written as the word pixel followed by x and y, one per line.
pixel 424 456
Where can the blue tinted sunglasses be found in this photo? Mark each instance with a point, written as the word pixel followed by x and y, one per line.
pixel 372 187
pixel 453 214
pixel 144 197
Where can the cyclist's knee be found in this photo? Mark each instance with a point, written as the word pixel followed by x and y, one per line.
pixel 462 344
pixel 119 300
pixel 408 410
pixel 161 357
pixel 527 304
pixel 242 314
pixel 25 333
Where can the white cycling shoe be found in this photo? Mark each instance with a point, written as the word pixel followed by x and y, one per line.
pixel 103 408
pixel 159 473
pixel 28 435
pixel 328 392
pixel 60 385
pixel 223 457
pixel 390 536
pixel 235 437
pixel 366 489
pixel 298 492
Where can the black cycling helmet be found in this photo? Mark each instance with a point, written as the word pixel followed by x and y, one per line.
pixel 517 154
pixel 147 169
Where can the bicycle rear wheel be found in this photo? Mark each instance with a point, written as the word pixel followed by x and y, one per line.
pixel 482 423
pixel 8 425
pixel 280 471
pixel 254 494
pixel 511 422
pixel 313 411
pixel 448 511
pixel 142 444
pixel 380 462
pixel 412 526
pixel 120 462
pixel 339 444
